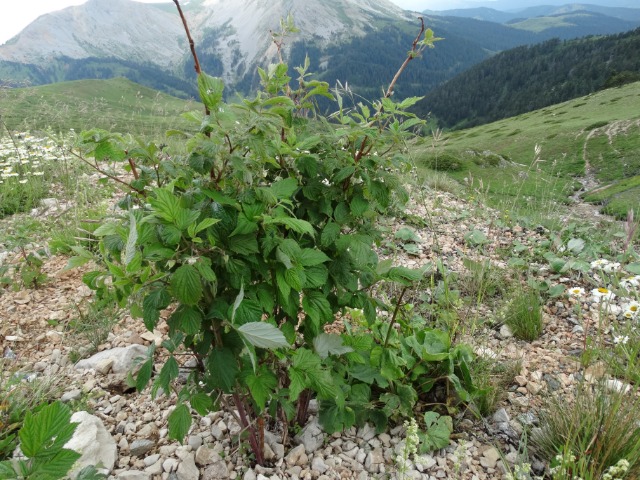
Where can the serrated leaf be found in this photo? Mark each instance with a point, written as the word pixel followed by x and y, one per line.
pixel 297 383
pixel 237 302
pixel 310 257
pixel 186 319
pixel 222 369
pixel 179 422
pixel 210 89
pixel 6 470
pixel 263 335
pixel 358 206
pixel 166 204
pixel 201 403
pixel 330 234
pixel 295 224
pixel 54 467
pixel 327 344
pixel 106 229
pixel 144 375
pixel 261 386
pixel 285 188
pixel 45 432
pixel 168 373
pixel 132 238
pixel 186 284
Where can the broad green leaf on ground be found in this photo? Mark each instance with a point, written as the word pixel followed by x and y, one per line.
pixel 437 432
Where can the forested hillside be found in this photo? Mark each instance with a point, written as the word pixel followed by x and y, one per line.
pixel 531 77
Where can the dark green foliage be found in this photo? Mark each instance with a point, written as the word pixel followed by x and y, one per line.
pixel 529 78
pixel 444 162
pixel 260 234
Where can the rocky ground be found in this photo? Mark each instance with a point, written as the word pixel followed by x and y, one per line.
pixel 132 427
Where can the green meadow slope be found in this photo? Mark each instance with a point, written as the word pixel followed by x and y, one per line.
pixel 592 140
pixel 116 104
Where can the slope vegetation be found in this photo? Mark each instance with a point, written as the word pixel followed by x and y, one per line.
pixel 528 78
pixel 116 104
pixel 590 144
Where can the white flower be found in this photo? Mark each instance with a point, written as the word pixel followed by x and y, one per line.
pixel 600 263
pixel 620 339
pixel 23 181
pixel 602 294
pixel 576 292
pixel 611 267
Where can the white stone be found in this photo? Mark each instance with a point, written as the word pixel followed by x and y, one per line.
pixel 187 469
pixel 92 440
pixel 123 358
pixel 311 436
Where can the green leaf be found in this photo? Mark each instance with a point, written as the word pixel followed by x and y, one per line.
pixel 316 276
pixel 310 257
pixel 44 433
pixel 186 319
pixel 55 467
pixel 222 369
pixel 295 224
pixel 262 386
pixel 263 335
pixel 244 244
pixel 237 302
pixel 297 383
pixel 476 238
pixel 557 290
pixel 633 268
pixel 407 234
pixel 144 374
pixel 359 205
pixel 201 403
pixel 576 245
pixel 186 284
pixel 7 471
pixel 179 422
pixel 168 373
pixel 404 276
pixel 330 344
pixel 330 234
pixel 166 204
pixel 437 432
pixel 210 89
pixel 344 173
pixel 283 189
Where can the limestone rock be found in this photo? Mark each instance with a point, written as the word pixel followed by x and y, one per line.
pixel 123 358
pixel 92 440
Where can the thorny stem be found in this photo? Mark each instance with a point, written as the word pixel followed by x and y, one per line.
pixel 134 170
pixel 258 450
pixel 413 53
pixel 192 47
pixel 395 314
